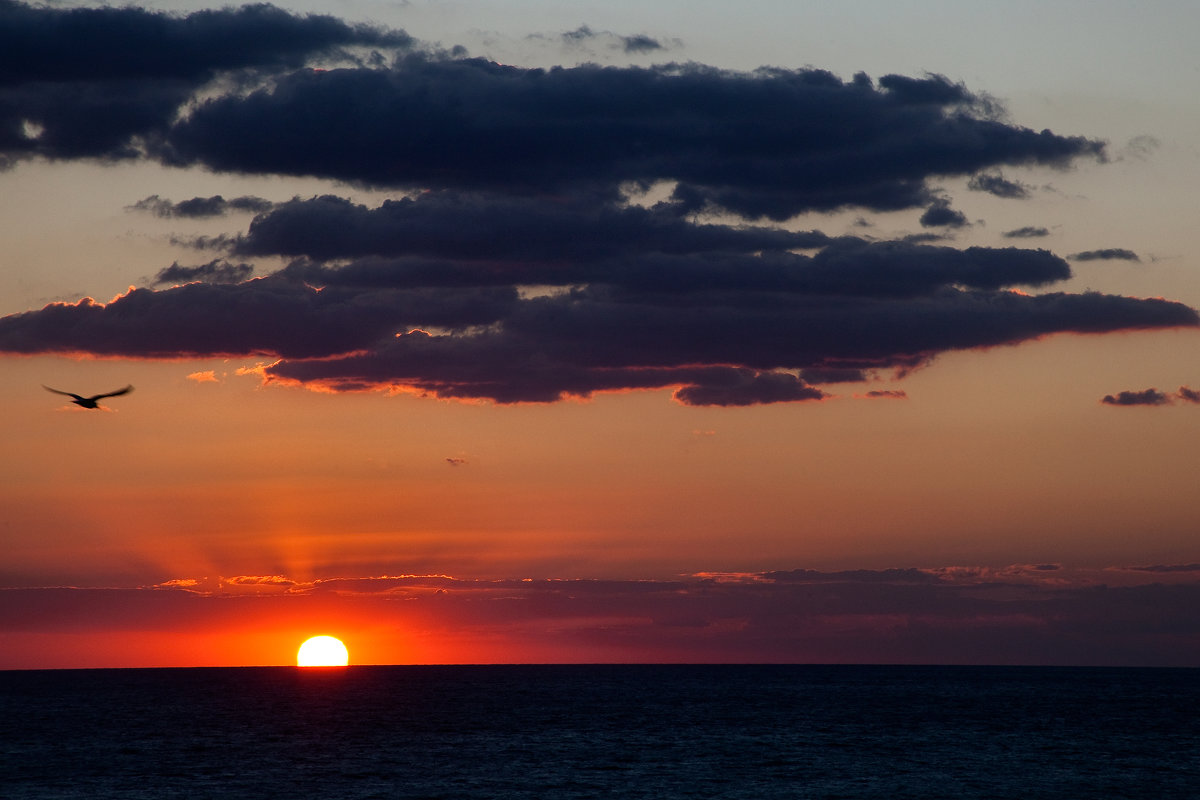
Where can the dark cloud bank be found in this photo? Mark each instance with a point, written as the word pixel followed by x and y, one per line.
pixel 516 263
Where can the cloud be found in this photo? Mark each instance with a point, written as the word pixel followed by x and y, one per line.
pixel 744 388
pixel 1151 397
pixel 495 227
pixel 889 394
pixel 554 233
pixel 765 144
pixel 1140 147
pixel 1027 232
pixel 100 82
pixel 216 271
pixel 1145 397
pixel 728 329
pixel 635 44
pixel 455 461
pixel 941 215
pixel 1112 253
pixel 999 185
pixel 200 207
pixel 206 376
pixel 1188 395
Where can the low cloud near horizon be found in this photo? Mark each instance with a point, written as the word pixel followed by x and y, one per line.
pixel 1020 614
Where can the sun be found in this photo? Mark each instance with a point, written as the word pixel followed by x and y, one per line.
pixel 322 651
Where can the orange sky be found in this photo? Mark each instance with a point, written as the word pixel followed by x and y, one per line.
pixel 987 506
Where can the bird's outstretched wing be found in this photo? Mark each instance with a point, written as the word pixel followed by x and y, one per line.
pixel 117 393
pixel 68 394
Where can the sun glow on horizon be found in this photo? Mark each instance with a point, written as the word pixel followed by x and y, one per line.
pixel 322 651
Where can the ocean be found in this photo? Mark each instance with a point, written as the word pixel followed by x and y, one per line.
pixel 601 732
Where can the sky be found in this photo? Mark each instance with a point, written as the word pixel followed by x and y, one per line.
pixel 481 332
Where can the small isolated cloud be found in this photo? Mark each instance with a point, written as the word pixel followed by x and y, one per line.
pixel 201 207
pixel 635 44
pixel 216 271
pixel 999 186
pixel 1152 397
pixel 1146 397
pixel 1188 395
pixel 1027 232
pixel 263 584
pixel 455 461
pixel 885 394
pixel 747 388
pixel 207 376
pixel 941 215
pixel 178 583
pixel 1108 254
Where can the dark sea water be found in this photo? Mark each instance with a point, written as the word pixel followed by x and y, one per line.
pixel 601 731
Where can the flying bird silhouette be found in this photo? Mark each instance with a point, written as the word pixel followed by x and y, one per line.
pixel 90 402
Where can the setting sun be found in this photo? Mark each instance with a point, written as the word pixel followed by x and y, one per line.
pixel 322 651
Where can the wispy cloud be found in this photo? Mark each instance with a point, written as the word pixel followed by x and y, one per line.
pixel 201 207
pixel 1108 254
pixel 1027 232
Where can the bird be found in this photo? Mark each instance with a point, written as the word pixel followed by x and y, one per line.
pixel 90 402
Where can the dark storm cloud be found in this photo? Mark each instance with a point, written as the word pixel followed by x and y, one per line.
pixel 215 271
pixel 1027 232
pixel 771 143
pixel 1145 397
pixel 1112 254
pixel 84 82
pixel 999 186
pixel 200 207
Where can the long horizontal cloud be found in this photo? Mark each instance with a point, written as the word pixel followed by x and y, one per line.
pixel 497 228
pixel 734 327
pixel 1110 254
pixel 1151 397
pixel 200 207
pixel 766 144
